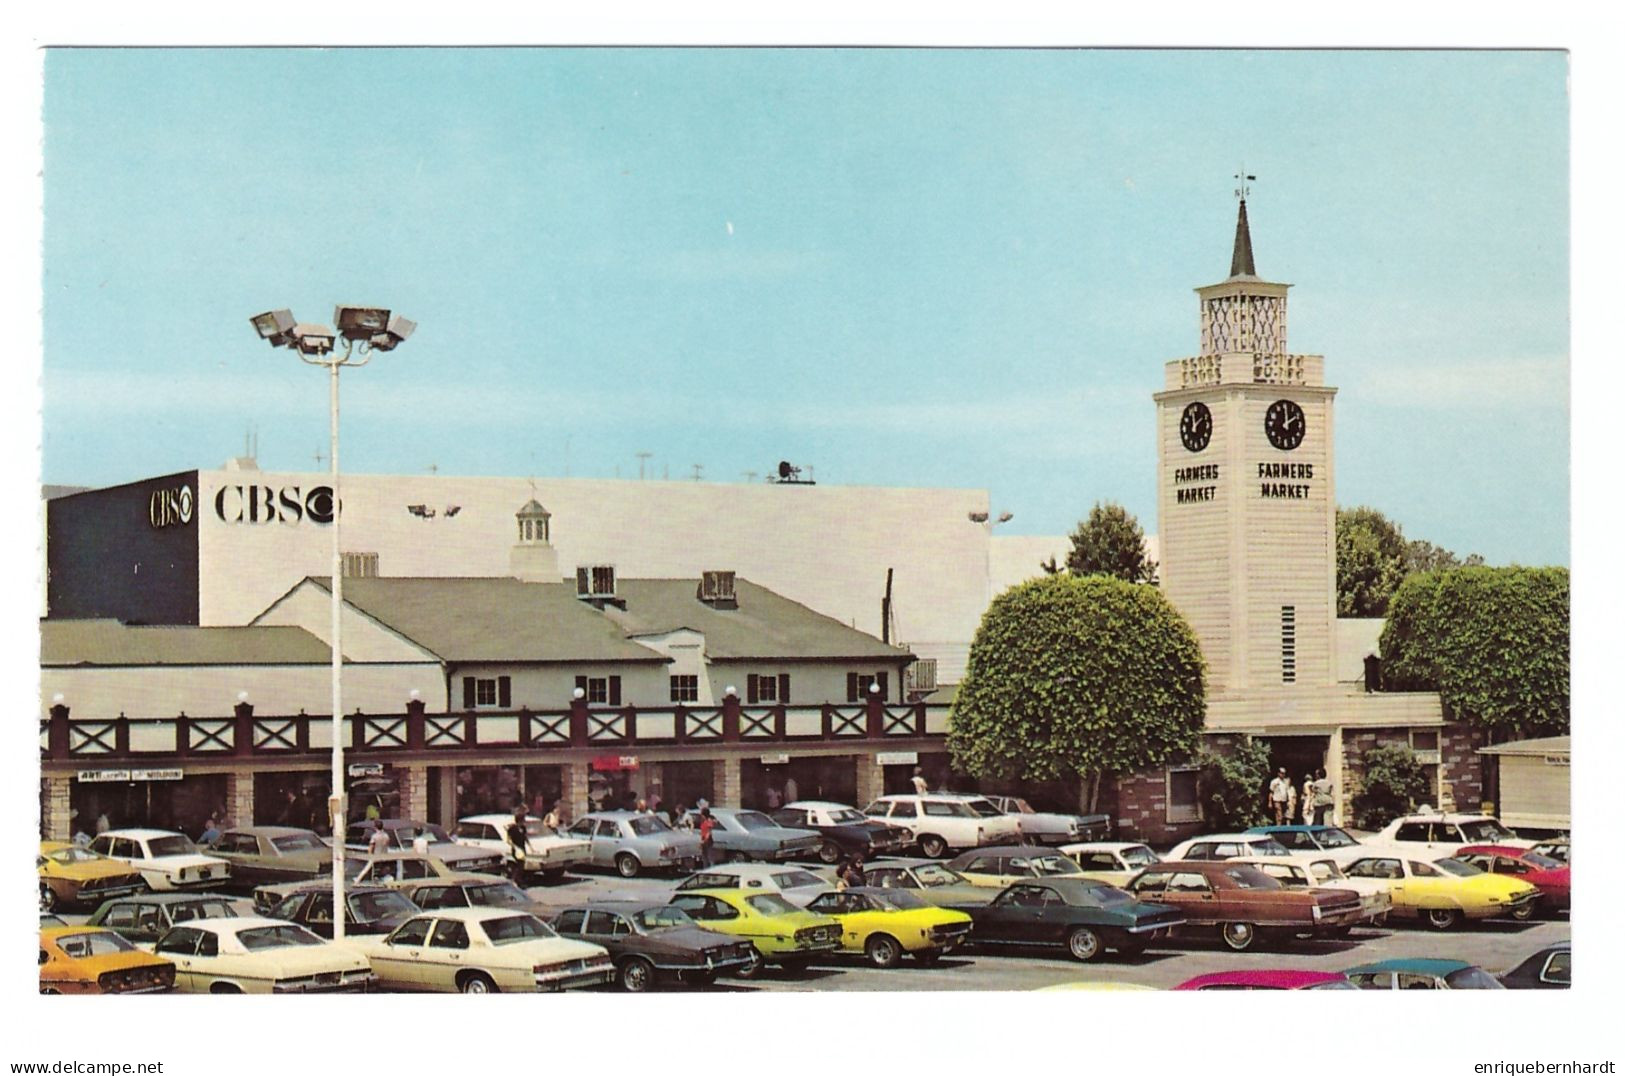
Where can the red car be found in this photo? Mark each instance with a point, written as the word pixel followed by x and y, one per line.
pixel 1243 901
pixel 1546 874
pixel 1269 979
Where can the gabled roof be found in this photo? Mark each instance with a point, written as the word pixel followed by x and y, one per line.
pixel 1547 745
pixel 110 642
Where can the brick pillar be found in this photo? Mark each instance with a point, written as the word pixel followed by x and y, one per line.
pixel 414 788
pixel 573 788
pixel 725 781
pixel 871 779
pixel 240 799
pixel 56 825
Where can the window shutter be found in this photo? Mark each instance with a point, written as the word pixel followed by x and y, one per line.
pixel 784 689
pixel 468 693
pixel 614 690
pixel 581 685
pixel 504 691
pixel 753 688
pixel 880 678
pixel 851 687
pixel 582 586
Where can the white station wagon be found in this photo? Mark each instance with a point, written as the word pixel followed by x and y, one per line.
pixel 941 821
pixel 167 860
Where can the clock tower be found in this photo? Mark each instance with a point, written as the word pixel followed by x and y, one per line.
pixel 1245 509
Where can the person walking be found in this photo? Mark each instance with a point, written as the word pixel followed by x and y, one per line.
pixel 852 873
pixel 553 819
pixel 707 844
pixel 517 836
pixel 1280 793
pixel 918 780
pixel 773 800
pixel 1323 796
pixel 378 839
pixel 791 792
pixel 1306 799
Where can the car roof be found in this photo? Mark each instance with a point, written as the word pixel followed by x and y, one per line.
pixel 824 805
pixel 471 915
pixel 1291 829
pixel 168 898
pixel 1425 965
pixel 271 831
pixel 622 812
pixel 1288 978
pixel 141 833
pixel 1102 846
pixel 1244 837
pixel 235 925
pixel 1063 880
pixel 1444 816
pixel 904 862
pixel 350 888
pixel 1007 850
pixel 750 870
pixel 622 906
pixel 489 818
pixel 1493 849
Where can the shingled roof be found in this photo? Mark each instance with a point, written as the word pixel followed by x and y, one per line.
pixel 110 642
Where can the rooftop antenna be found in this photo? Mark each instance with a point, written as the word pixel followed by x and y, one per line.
pixel 433 468
pixel 642 458
pixel 1242 179
pixel 698 469
pixel 318 457
pixel 748 476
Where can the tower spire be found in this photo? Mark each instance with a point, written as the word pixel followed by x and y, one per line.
pixel 1241 257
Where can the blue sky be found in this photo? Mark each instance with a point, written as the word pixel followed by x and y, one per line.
pixel 928 268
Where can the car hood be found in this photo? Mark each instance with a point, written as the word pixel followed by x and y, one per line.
pixel 1496 885
pixel 779 834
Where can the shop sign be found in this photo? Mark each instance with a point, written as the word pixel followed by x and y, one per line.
pixel 90 777
pixel 262 504
pixel 157 775
pixel 897 758
pixel 775 760
pixel 1557 760
pixel 366 769
pixel 615 763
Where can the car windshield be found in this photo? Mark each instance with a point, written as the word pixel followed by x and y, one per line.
pixel 1324 870
pixel 1545 863
pixel 664 918
pixel 92 943
pixel 1332 837
pixel 754 820
pixel 298 842
pixel 770 904
pixel 278 937
pixel 380 905
pixel 1139 856
pixel 496 895
pixel 1472 978
pixel 516 928
pixel 934 874
pixel 796 879
pixel 1269 846
pixel 1046 865
pixel 201 909
pixel 901 899
pixel 1457 867
pixel 352 867
pixel 1486 830
pixel 74 854
pixel 983 808
pixel 175 844
pixel 844 817
pixel 647 824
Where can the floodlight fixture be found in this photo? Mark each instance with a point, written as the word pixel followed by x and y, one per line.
pixel 274 326
pixel 313 339
pixel 399 329
pixel 360 322
pixel 1005 517
pixel 976 517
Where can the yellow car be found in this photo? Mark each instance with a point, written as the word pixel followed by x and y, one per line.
pixel 1444 893
pixel 91 960
pixel 781 932
pixel 883 924
pixel 69 874
pixel 1002 866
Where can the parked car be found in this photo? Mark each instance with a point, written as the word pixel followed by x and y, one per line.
pixel 1112 862
pixel 462 854
pixel 752 835
pixel 167 860
pixel 846 831
pixel 90 960
pixel 267 855
pixel 394 870
pixel 929 880
pixel 999 866
pixel 1418 973
pixel 1243 902
pixel 145 917
pixel 781 932
pixel 1544 969
pixel 944 821
pixel 1556 848
pixel 795 884
pixel 371 909
pixel 1226 846
pixel 255 955
pixel 651 943
pixel 883 924
pixel 483 951
pixel 1083 918
pixel 1434 835
pixel 473 891
pixel 1444 893
pixel 1545 874
pixel 632 843
pixel 1269 979
pixel 547 852
pixel 1305 872
pixel 1334 841
pixel 69 874
pixel 1047 827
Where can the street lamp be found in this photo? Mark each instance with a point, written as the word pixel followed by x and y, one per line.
pixel 364 329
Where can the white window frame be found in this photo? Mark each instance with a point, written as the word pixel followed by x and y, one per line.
pixel 1171 816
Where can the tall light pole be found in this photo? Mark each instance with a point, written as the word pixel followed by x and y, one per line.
pixel 365 329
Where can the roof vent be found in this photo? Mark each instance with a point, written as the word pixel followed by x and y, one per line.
pixel 718 589
pixel 596 584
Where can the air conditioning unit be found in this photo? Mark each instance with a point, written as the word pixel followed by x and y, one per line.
pixel 596 581
pixel 921 677
pixel 716 587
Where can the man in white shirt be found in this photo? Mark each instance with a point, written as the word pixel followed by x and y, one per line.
pixel 920 787
pixel 1280 793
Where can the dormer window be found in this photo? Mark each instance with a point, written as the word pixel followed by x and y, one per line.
pixel 717 588
pixel 597 581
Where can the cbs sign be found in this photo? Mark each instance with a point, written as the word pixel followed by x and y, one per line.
pixel 262 504
pixel 170 507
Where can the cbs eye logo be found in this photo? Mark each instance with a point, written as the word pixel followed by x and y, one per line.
pixel 170 507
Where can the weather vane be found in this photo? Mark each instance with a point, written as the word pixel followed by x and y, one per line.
pixel 1243 179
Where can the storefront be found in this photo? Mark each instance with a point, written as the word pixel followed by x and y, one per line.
pixel 679 784
pixel 291 798
pixel 455 793
pixel 815 777
pixel 165 798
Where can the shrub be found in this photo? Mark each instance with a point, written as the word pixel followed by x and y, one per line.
pixel 1231 786
pixel 1394 782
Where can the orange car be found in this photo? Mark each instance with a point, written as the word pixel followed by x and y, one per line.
pixel 92 960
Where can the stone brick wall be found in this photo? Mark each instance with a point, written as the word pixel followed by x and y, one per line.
pixel 1460 767
pixel 1356 742
pixel 414 789
pixel 871 779
pixel 240 800
pixel 1138 802
pixel 57 825
pixel 725 780
pixel 573 789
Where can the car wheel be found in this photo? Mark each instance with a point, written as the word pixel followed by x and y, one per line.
pixel 47 898
pixel 883 950
pixel 225 988
pixel 1238 936
pixel 1083 944
pixel 1443 918
pixel 477 982
pixel 932 846
pixel 1524 912
pixel 754 968
pixel 627 865
pixel 637 975
pixel 830 852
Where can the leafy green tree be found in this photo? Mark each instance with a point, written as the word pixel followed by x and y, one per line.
pixel 1370 561
pixel 1109 542
pixel 1493 642
pixel 1231 786
pixel 1077 677
pixel 1394 782
pixel 1423 556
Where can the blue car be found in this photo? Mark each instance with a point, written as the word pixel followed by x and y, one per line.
pixel 1420 973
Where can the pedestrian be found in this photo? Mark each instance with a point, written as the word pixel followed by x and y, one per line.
pixel 707 846
pixel 518 837
pixel 211 831
pixel 1291 804
pixel 420 843
pixel 553 819
pixel 701 804
pixel 790 790
pixel 654 800
pixel 852 873
pixel 773 800
pixel 1280 792
pixel 680 818
pixel 1306 801
pixel 918 780
pixel 102 824
pixel 378 839
pixel 1323 796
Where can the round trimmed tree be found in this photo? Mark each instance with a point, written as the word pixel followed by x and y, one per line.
pixel 1077 677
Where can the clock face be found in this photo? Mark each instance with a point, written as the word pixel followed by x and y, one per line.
pixel 1196 426
pixel 1284 424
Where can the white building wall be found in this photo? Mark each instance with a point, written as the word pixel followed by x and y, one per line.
pixel 211 690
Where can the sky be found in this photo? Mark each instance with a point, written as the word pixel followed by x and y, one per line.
pixel 894 267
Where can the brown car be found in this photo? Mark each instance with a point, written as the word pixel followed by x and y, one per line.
pixel 1244 902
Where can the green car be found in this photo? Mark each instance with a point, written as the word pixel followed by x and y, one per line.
pixel 782 933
